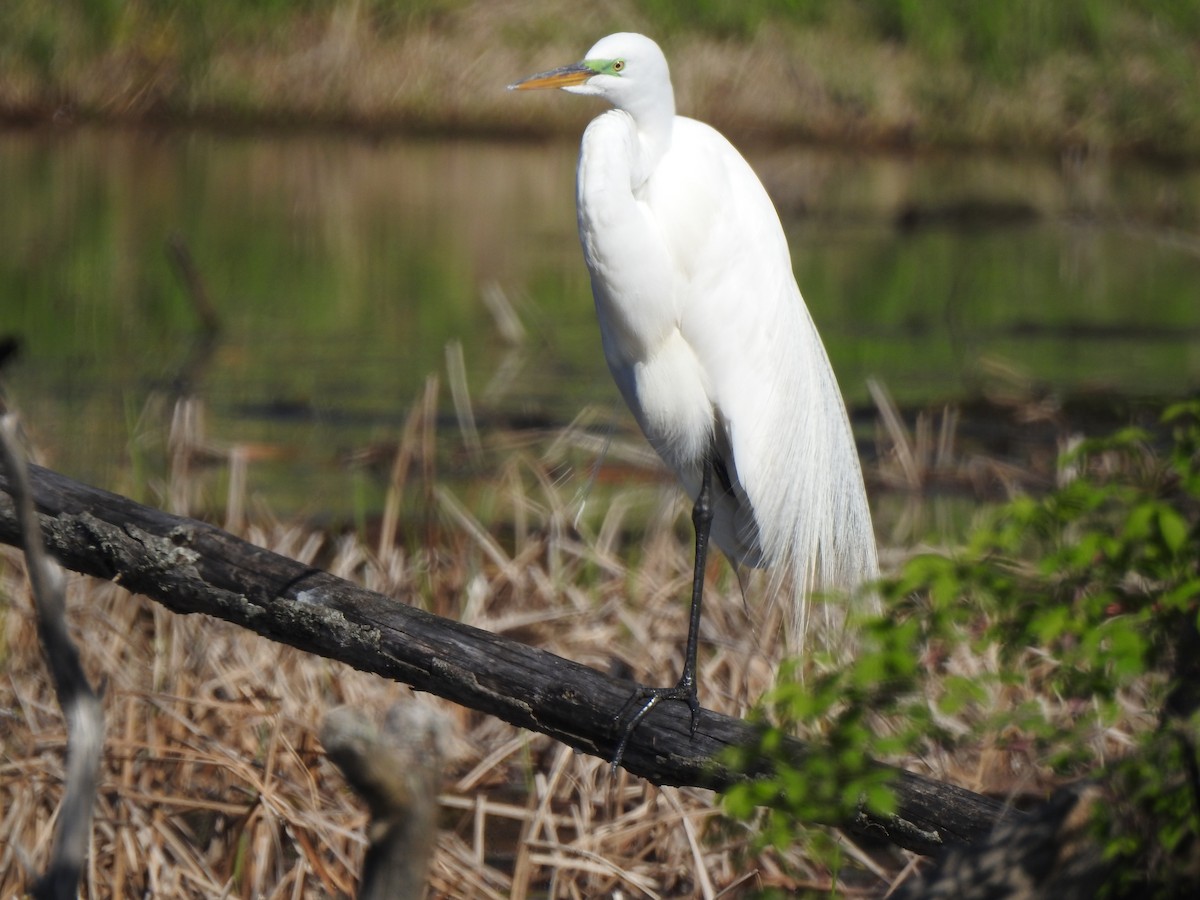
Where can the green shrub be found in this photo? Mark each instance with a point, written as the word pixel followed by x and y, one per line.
pixel 1065 630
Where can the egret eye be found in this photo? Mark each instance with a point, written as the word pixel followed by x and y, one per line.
pixel 618 65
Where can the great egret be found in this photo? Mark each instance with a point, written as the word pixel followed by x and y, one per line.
pixel 709 340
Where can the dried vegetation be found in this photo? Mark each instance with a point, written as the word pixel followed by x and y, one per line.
pixel 214 782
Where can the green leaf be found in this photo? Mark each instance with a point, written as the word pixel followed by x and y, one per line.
pixel 881 799
pixel 1126 648
pixel 1182 596
pixel 1174 529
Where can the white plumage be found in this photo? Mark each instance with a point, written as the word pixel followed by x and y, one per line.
pixel 705 331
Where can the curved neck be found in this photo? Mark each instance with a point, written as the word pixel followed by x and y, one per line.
pixel 653 115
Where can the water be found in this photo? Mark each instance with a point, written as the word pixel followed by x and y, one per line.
pixel 341 268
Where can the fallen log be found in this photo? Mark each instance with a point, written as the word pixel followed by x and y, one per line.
pixel 193 567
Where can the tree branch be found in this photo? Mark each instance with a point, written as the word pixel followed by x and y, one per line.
pixel 191 567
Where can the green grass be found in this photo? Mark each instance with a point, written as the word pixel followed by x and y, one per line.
pixel 998 40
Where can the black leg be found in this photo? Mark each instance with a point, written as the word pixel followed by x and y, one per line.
pixel 686 689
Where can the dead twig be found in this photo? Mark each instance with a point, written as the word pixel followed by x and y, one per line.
pixel 80 704
pixel 193 283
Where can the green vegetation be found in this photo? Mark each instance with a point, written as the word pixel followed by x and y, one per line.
pixel 1031 73
pixel 1002 38
pixel 1065 635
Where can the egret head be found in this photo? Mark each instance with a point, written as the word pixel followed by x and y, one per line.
pixel 628 70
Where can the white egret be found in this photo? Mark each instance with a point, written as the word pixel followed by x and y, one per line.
pixel 709 340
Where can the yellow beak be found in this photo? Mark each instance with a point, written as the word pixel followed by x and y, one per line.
pixel 566 76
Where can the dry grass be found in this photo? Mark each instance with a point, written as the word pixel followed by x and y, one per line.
pixel 214 783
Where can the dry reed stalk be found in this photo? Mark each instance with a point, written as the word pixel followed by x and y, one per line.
pixel 390 521
pixel 456 375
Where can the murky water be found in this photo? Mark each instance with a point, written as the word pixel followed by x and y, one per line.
pixel 341 269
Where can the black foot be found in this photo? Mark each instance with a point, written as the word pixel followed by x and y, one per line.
pixel 648 698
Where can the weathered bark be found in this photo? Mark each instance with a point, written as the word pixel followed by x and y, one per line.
pixel 193 567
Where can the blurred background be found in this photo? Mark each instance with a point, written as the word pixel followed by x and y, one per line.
pixel 275 220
